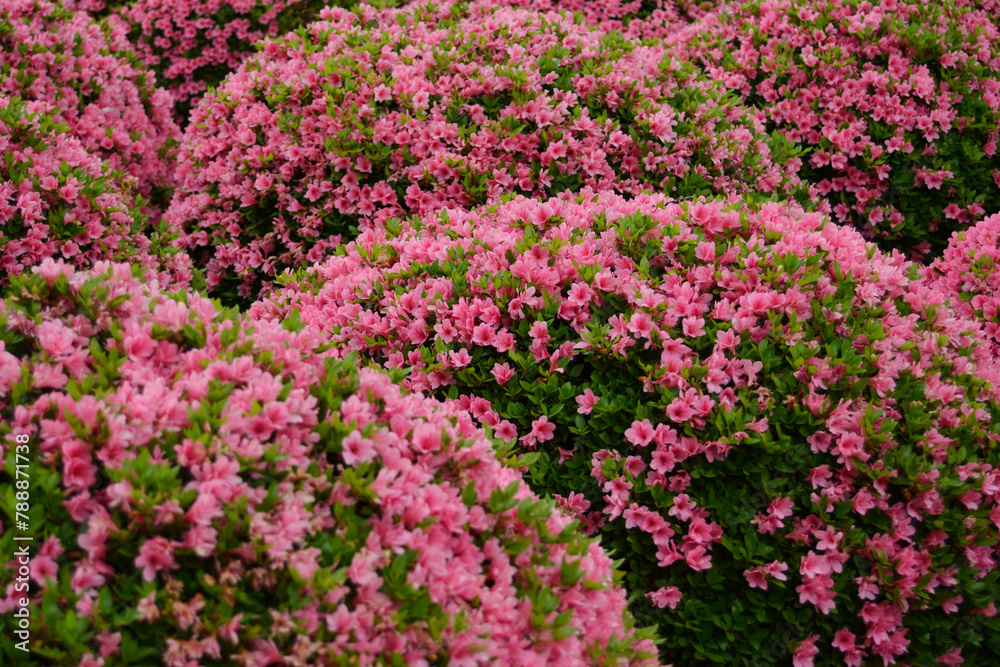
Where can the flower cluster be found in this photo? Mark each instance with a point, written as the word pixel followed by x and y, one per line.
pixel 220 491
pixel 192 45
pixel 57 200
pixel 784 432
pixel 897 103
pixel 368 114
pixel 969 272
pixel 88 72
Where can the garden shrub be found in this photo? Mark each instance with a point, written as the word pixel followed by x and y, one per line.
pixel 694 10
pixel 370 114
pixel 787 436
pixel 103 92
pixel 969 273
pixel 57 200
pixel 897 104
pixel 192 44
pixel 97 8
pixel 207 490
pixel 636 19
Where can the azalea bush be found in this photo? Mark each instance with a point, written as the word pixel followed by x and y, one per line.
pixel 204 489
pixel 96 8
pixel 694 10
pixel 90 76
pixel 636 19
pixel 192 45
pixel 897 104
pixel 57 200
pixel 372 114
pixel 969 272
pixel 788 437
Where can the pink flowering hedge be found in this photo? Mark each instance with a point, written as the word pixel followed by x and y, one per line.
pixel 59 201
pixel 373 114
pixel 969 273
pixel 103 92
pixel 96 8
pixel 211 491
pixel 786 434
pixel 635 19
pixel 192 45
pixel 694 10
pixel 897 104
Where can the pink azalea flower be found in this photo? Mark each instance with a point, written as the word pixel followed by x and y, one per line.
pixel 679 411
pixel 682 507
pixel 505 430
pixel 781 507
pixel 699 559
pixel 641 324
pixel 805 651
pixel 640 433
pixel 540 330
pixel 634 465
pixel 305 562
pixel 818 591
pixel 204 510
pixel 460 358
pixel 542 429
pixel 55 338
pixel 483 334
pixel 618 488
pixel 666 597
pixel 693 327
pixel 357 449
pixel 502 373
pixel 777 570
pixel 586 401
pixel 155 555
pixel 755 577
pixel 952 658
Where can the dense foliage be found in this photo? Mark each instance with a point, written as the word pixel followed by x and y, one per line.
pixel 635 19
pixel 697 9
pixel 370 114
pixel 784 432
pixel 526 286
pixel 897 103
pixel 192 45
pixel 88 74
pixel 57 200
pixel 211 490
pixel 969 273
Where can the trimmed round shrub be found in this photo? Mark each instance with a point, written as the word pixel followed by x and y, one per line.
pixel 969 273
pixel 102 91
pixel 192 45
pixel 786 435
pixel 206 490
pixel 367 115
pixel 57 200
pixel 896 104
